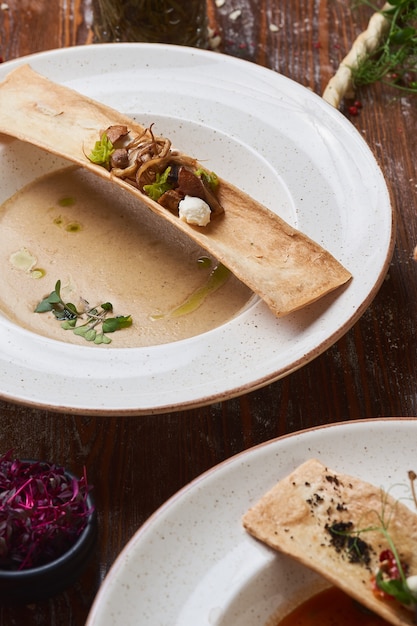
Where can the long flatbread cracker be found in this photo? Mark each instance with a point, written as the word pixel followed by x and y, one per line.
pixel 295 515
pixel 284 267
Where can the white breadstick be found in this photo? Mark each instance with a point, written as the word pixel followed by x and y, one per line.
pixel 340 85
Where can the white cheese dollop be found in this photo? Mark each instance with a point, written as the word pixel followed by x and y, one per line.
pixel 194 211
pixel 412 585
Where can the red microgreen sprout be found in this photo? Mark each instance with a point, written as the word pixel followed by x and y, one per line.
pixel 391 578
pixel 391 581
pixel 43 510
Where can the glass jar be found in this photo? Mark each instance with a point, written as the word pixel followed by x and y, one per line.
pixel 153 21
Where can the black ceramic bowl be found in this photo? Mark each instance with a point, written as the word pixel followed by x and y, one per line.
pixel 38 583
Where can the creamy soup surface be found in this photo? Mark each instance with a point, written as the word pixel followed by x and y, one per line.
pixel 104 247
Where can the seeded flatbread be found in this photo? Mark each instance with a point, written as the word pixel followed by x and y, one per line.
pixel 284 267
pixel 294 517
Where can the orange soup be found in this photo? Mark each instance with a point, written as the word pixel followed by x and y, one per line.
pixel 330 607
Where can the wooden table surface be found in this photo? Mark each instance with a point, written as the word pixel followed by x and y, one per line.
pixel 136 463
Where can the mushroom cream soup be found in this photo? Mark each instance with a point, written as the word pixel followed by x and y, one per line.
pixel 104 247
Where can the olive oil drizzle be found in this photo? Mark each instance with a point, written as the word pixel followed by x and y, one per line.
pixel 217 278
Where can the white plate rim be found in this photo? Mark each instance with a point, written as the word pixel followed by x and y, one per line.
pixel 105 398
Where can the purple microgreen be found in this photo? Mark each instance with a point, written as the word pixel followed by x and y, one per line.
pixel 43 511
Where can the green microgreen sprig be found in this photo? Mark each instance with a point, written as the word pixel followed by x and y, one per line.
pixel 394 62
pixel 156 189
pixel 102 151
pixel 210 178
pixel 92 324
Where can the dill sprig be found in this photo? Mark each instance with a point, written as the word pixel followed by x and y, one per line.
pixel 394 62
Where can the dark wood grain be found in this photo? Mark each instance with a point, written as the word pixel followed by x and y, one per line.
pixel 136 463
